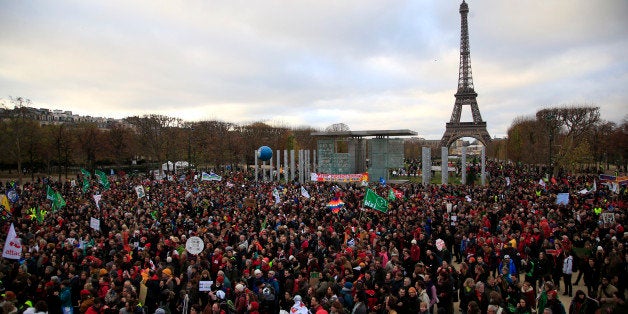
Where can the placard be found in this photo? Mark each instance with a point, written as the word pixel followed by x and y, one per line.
pixel 608 219
pixel 194 245
pixel 315 277
pixel 139 190
pixel 205 285
pixel 562 198
pixel 94 223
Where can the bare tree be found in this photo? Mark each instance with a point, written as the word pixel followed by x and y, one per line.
pixel 337 127
pixel 618 150
pixel 33 141
pixel 122 143
pixel 89 143
pixel 527 141
pixel 61 143
pixel 154 132
pixel 17 129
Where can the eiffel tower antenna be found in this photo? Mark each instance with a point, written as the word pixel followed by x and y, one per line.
pixel 466 94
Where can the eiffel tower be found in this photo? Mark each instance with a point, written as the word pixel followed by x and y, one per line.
pixel 465 95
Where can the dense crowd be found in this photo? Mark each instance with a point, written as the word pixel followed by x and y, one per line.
pixel 505 247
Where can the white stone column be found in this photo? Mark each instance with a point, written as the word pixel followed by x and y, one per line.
pixel 444 167
pixel 255 152
pixel 463 165
pixel 483 165
pixel 427 165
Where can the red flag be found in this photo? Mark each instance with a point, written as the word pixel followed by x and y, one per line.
pixel 553 180
pixel 398 194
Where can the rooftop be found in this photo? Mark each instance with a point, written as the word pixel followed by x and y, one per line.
pixel 376 133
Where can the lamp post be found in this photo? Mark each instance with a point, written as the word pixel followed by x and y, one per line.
pixel 190 133
pixel 551 120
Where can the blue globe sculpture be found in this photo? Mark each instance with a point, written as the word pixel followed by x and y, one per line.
pixel 264 153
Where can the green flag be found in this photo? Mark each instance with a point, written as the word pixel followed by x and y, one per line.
pixel 86 173
pixel 391 195
pixel 372 200
pixel 85 185
pixel 103 179
pixel 86 176
pixel 58 202
pixel 50 193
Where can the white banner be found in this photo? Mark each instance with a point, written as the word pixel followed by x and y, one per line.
pixel 304 192
pixel 12 246
pixel 205 285
pixel 94 223
pixel 210 177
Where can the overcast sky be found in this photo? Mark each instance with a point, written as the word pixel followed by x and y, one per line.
pixel 367 63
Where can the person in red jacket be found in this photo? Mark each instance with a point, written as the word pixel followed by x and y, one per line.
pixel 95 308
pixel 316 306
pixel 104 286
pixel 415 251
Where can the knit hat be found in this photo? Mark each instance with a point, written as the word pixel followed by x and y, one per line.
pixel 412 289
pixel 167 272
pixel 220 279
pixel 239 287
pixel 85 292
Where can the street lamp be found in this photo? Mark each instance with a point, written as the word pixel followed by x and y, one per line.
pixel 190 133
pixel 551 121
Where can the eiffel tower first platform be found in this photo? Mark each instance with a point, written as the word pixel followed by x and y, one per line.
pixel 465 95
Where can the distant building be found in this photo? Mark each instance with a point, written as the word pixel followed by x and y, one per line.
pixel 55 117
pixel 474 148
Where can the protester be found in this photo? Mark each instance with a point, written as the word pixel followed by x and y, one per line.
pixel 582 304
pixel 262 252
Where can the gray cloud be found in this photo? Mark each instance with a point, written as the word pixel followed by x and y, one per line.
pixel 370 64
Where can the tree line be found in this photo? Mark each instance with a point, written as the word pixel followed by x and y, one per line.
pixel 31 147
pixel 567 138
pixel 570 138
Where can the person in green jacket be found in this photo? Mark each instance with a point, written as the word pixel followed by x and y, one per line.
pixel 542 298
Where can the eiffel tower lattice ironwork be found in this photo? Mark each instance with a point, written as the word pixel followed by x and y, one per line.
pixel 465 95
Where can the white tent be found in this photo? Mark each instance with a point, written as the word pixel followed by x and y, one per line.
pixel 176 166
pixel 181 165
pixel 167 166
